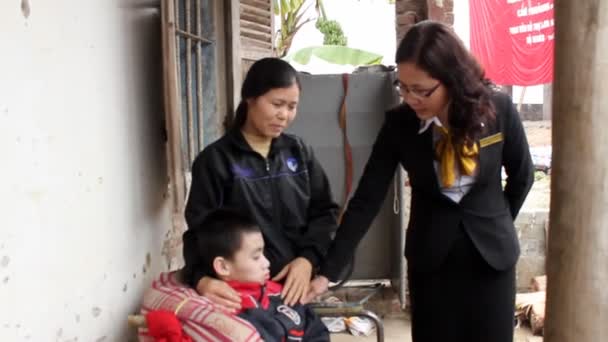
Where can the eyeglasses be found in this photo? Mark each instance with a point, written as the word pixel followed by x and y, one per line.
pixel 418 93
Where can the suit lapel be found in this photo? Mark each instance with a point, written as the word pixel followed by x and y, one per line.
pixel 425 159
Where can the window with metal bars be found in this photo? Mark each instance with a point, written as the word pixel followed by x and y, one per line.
pixel 196 70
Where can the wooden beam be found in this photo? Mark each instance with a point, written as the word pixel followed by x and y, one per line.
pixel 172 110
pixel 577 270
pixel 223 65
pixel 233 37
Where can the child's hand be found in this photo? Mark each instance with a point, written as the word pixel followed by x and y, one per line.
pixel 220 293
pixel 317 287
pixel 297 274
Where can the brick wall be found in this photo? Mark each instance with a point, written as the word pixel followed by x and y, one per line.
pixel 409 12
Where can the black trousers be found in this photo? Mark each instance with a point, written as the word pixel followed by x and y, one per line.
pixel 466 300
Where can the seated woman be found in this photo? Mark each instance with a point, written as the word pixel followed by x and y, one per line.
pixel 271 176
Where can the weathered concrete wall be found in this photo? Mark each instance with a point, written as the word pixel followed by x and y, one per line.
pixel 83 208
pixel 531 229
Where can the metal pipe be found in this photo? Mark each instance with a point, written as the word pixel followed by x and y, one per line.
pixel 377 321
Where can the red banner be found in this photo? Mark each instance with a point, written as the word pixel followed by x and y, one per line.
pixel 513 40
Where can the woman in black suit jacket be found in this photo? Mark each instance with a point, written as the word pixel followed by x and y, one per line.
pixel 453 134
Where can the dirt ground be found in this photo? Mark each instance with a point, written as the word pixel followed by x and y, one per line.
pixel 538 132
pixel 397 329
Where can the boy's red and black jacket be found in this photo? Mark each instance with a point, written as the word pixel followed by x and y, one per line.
pixel 262 306
pixel 287 194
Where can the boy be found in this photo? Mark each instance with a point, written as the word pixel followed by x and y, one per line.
pixel 229 246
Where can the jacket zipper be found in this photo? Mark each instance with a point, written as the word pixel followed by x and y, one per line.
pixel 274 196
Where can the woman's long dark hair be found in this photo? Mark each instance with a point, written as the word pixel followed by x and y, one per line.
pixel 435 48
pixel 264 75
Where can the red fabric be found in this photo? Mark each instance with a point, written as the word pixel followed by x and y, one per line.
pixel 298 333
pixel 255 294
pixel 164 326
pixel 199 317
pixel 513 40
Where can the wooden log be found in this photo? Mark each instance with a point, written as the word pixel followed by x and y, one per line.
pixel 577 300
pixel 136 321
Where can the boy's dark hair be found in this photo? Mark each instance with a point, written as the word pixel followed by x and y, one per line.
pixel 219 234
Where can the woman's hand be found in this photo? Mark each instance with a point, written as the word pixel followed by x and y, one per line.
pixel 317 287
pixel 220 293
pixel 297 274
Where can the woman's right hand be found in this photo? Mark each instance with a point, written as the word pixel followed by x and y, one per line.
pixel 220 293
pixel 317 287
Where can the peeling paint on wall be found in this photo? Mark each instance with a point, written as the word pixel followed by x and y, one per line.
pixel 5 261
pixel 25 8
pixel 35 128
pixel 148 263
pixel 96 311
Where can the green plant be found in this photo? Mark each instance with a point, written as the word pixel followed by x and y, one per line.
pixel 332 32
pixel 335 54
pixel 291 16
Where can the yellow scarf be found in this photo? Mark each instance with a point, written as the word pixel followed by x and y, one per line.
pixel 447 154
